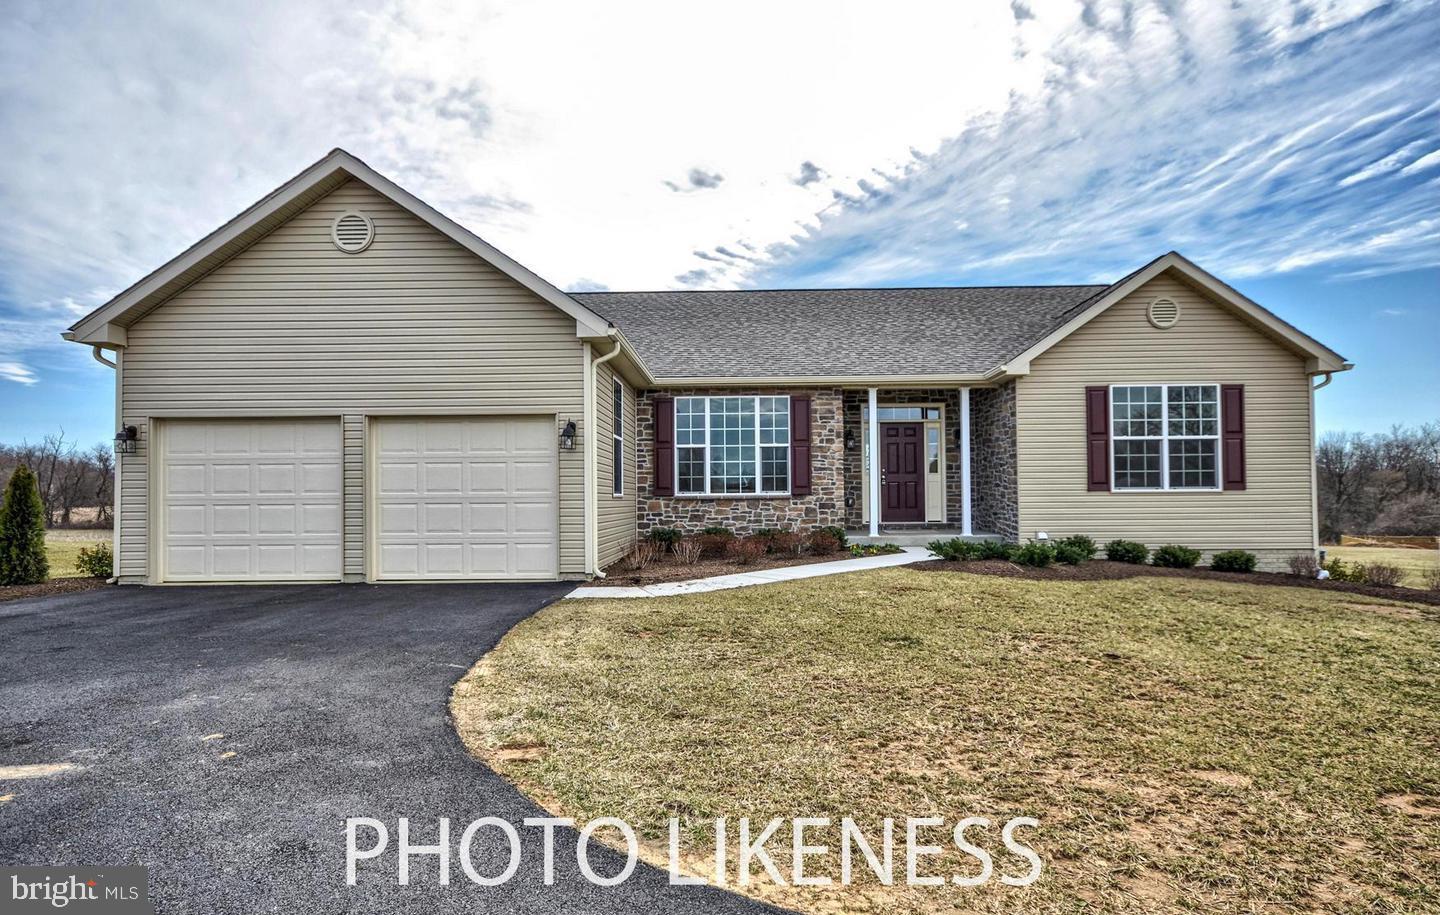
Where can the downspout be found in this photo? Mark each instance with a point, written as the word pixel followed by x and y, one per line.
pixel 115 496
pixel 592 503
pixel 1314 482
pixel 1329 377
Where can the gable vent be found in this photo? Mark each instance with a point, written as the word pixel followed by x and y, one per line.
pixel 352 232
pixel 1164 313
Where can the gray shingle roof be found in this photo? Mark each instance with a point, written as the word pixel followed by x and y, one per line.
pixel 835 332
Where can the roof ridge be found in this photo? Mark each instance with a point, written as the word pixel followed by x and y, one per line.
pixel 841 289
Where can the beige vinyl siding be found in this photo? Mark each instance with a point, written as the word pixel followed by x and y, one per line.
pixel 1209 344
pixel 294 327
pixel 616 513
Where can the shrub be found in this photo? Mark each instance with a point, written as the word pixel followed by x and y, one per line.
pixel 1304 565
pixel 1126 551
pixel 823 542
pixel 1383 574
pixel 718 530
pixel 834 530
pixel 687 550
pixel 1077 544
pixel 96 561
pixel 1036 553
pixel 715 545
pixel 641 555
pixel 1431 577
pixel 955 549
pixel 787 543
pixel 873 549
pixel 665 537
pixel 22 531
pixel 747 550
pixel 1339 571
pixel 994 549
pixel 1071 554
pixel 1175 556
pixel 1233 561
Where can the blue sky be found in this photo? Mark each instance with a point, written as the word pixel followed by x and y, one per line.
pixel 1292 148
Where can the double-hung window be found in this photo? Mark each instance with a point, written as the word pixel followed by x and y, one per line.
pixel 1166 436
pixel 732 446
pixel 617 437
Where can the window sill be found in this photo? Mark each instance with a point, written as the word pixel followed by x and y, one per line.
pixel 702 497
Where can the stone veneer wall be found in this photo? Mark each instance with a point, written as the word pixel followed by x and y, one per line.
pixel 993 456
pixel 743 514
pixel 854 481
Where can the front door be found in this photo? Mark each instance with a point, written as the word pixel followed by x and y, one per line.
pixel 902 477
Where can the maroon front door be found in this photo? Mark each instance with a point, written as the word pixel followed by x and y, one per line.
pixel 902 476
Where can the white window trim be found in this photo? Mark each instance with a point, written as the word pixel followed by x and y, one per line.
pixel 617 434
pixel 1165 436
pixel 759 472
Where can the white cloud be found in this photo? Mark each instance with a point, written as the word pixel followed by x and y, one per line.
pixel 14 371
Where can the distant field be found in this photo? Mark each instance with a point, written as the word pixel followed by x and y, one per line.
pixel 63 547
pixel 1414 562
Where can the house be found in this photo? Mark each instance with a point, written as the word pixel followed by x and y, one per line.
pixel 343 384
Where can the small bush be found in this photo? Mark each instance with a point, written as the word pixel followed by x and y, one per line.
pixel 1233 561
pixel 834 530
pixel 1339 571
pixel 718 530
pixel 1175 556
pixel 995 549
pixel 1431 577
pixel 1078 544
pixel 747 550
pixel 765 534
pixel 1036 554
pixel 1304 565
pixel 823 543
pixel 1384 575
pixel 641 555
pixel 1070 554
pixel 687 551
pixel 22 531
pixel 715 545
pixel 955 549
pixel 873 549
pixel 665 537
pixel 1127 551
pixel 96 561
pixel 787 543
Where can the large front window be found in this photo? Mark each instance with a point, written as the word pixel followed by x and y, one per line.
pixel 1166 436
pixel 732 445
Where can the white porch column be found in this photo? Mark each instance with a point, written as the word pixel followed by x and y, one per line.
pixel 965 462
pixel 872 432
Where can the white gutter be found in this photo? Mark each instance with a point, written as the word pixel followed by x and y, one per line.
pixel 591 437
pixel 99 357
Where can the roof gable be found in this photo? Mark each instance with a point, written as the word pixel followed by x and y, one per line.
pixel 105 325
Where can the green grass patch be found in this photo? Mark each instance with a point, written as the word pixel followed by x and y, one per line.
pixel 1186 745
pixel 63 548
pixel 1415 562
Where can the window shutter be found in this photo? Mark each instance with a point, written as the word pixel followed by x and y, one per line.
pixel 664 408
pixel 800 446
pixel 1232 434
pixel 1097 438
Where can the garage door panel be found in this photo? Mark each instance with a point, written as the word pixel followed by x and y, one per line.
pixel 452 509
pixel 251 500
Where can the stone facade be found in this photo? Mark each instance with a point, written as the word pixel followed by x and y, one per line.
pixel 993 476
pixel 744 514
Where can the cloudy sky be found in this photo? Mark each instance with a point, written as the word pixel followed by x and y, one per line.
pixel 1291 147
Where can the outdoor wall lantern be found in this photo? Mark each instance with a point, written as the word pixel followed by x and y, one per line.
pixel 125 440
pixel 850 442
pixel 567 436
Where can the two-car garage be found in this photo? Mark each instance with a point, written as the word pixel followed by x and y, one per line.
pixel 442 498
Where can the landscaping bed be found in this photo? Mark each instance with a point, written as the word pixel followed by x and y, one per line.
pixel 48 588
pixel 666 555
pixel 1186 743
pixel 1104 570
pixel 667 569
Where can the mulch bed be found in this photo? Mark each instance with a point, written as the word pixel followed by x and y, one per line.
pixel 46 589
pixel 668 569
pixel 1104 570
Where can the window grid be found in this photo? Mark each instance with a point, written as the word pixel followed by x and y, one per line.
pixel 1165 436
pixel 617 436
pixel 727 446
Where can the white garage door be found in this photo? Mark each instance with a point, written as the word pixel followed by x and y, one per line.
pixel 251 500
pixel 466 498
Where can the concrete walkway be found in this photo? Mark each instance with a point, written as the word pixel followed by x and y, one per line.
pixel 761 577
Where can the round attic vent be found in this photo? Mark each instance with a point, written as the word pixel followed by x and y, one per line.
pixel 1164 313
pixel 352 232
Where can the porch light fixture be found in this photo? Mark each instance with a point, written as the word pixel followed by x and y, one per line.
pixel 850 441
pixel 567 436
pixel 125 440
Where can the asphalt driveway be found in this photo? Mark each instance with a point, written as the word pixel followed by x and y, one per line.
pixel 332 703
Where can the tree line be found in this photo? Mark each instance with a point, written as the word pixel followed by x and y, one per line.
pixel 77 485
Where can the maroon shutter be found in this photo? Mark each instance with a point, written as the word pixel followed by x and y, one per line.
pixel 1232 434
pixel 664 408
pixel 799 446
pixel 1097 438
